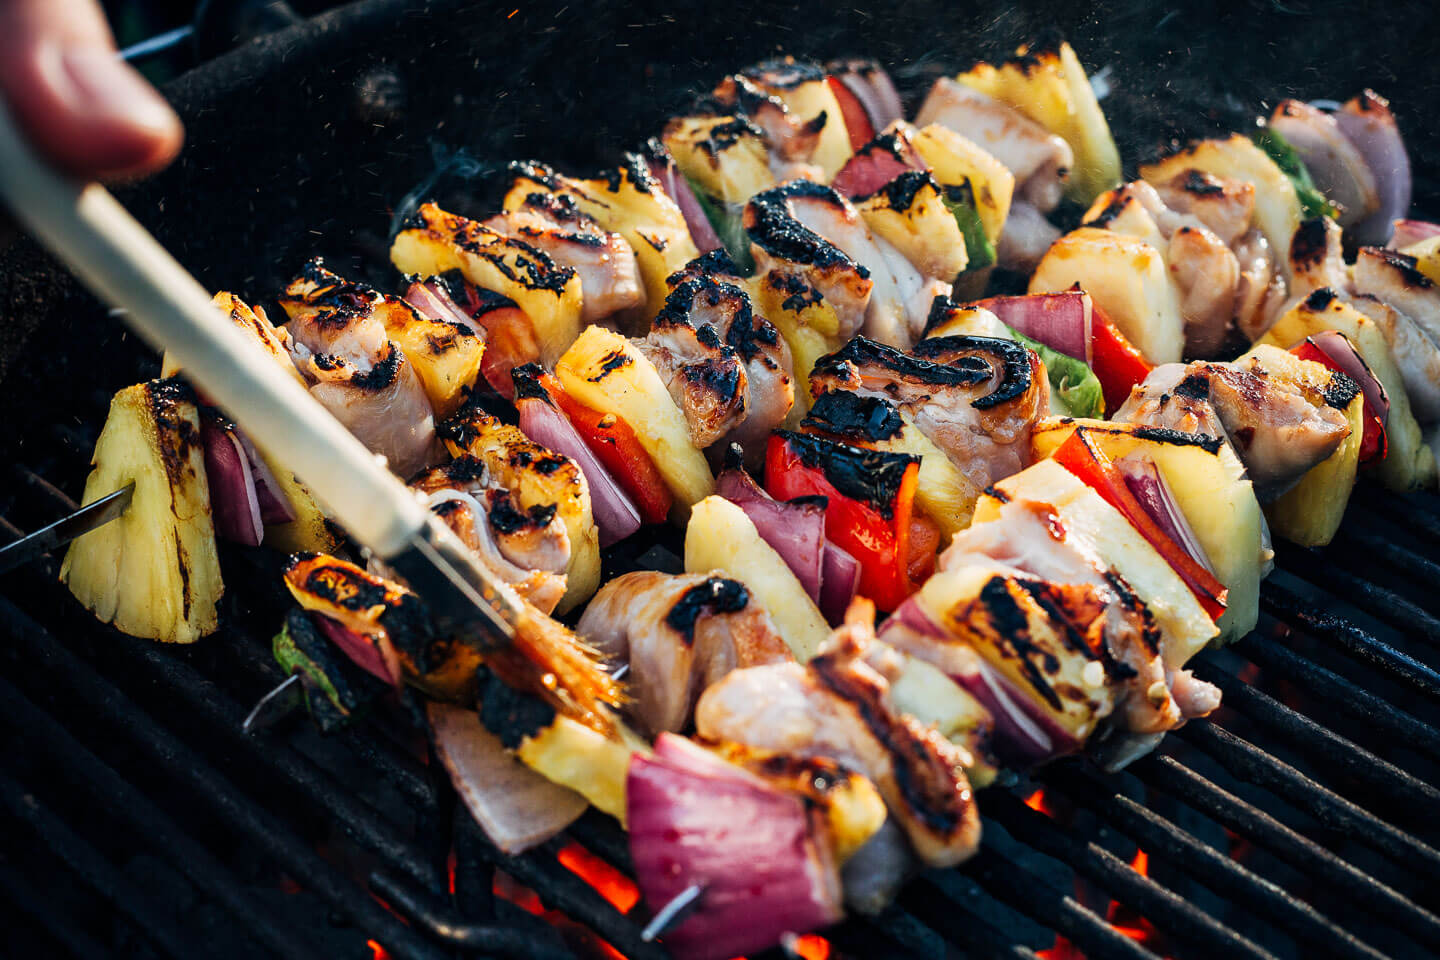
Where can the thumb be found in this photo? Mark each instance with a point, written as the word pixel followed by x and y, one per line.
pixel 89 112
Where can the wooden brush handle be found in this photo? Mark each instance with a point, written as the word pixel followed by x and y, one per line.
pixel 119 260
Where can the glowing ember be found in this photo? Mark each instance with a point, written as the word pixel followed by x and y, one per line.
pixel 1044 803
pixel 610 883
pixel 1063 950
pixel 380 953
pixel 1127 921
pixel 810 947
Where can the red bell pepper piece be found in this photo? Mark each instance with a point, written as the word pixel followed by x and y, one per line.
pixel 509 337
pixel 1117 364
pixel 870 495
pixel 1374 443
pixel 852 111
pixel 619 451
pixel 1082 456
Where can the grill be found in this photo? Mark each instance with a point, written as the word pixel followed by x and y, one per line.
pixel 140 821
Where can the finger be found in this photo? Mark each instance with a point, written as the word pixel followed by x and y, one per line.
pixel 82 106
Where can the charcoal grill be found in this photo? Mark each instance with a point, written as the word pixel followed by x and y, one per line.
pixel 1302 820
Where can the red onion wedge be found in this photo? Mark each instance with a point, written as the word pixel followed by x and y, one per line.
pixel 515 806
pixel 1062 321
pixel 701 231
pixel 875 164
pixel 839 580
pixel 615 513
pixel 274 506
pixel 375 657
pixel 1409 232
pixel 795 530
pixel 745 844
pixel 234 502
pixel 431 299
pixel 1366 121
pixel 1143 478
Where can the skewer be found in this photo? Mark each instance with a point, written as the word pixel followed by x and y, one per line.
pixel 62 531
pixel 679 907
pixel 276 705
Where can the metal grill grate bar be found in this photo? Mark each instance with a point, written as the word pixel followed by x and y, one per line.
pixel 1325 684
pixel 106 788
pixel 1168 775
pixel 264 830
pixel 150 918
pixel 1253 765
pixel 1319 743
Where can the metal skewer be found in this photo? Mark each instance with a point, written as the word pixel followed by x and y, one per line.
pixel 122 263
pixel 62 531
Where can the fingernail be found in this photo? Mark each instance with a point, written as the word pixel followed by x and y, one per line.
pixel 104 86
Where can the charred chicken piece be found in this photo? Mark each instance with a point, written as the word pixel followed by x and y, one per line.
pixel 976 398
pixel 338 340
pixel 604 261
pixel 528 548
pixel 679 634
pixel 837 706
pixel 1279 428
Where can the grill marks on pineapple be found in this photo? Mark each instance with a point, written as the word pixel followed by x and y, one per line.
pixel 614 360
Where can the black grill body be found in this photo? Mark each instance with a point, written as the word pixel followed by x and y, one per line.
pixel 139 821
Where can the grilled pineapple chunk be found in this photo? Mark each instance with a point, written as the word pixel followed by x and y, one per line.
pixel 1427 257
pixel 538 477
pixel 1184 625
pixel 446 355
pixel 1277 208
pixel 806 94
pixel 605 372
pixel 910 216
pixel 721 537
pixel 549 295
pixel 571 754
pixel 1127 278
pixel 631 203
pixel 1211 488
pixel 1040 655
pixel 724 156
pixel 1408 464
pixel 1310 512
pixel 804 318
pixel 955 160
pixel 1050 87
pixel 309 530
pixel 154 572
pixel 1120 211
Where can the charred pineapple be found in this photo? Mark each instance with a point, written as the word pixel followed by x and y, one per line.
pixel 434 242
pixel 724 156
pixel 538 477
pixel 630 202
pixel 154 572
pixel 605 372
pixel 957 161
pixel 911 216
pixel 309 530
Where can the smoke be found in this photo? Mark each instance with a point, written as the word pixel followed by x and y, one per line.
pixel 447 167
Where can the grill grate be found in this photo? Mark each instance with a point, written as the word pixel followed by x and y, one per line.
pixel 1309 765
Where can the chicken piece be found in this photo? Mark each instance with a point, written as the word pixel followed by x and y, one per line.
pixel 703 375
pixel 679 634
pixel 1030 538
pixel 781 243
pixel 1278 428
pixel 1260 294
pixel 338 341
pixel 604 261
pixel 1026 237
pixel 1226 207
pixel 892 313
pixel 1039 160
pixel 838 707
pixel 1393 277
pixel 709 294
pixel 976 398
pixel 790 142
pixel 528 549
pixel 1207 275
pixel 1336 166
pixel 1415 352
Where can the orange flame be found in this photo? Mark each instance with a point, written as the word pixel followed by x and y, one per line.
pixel 610 883
pixel 810 947
pixel 1127 921
pixel 380 953
pixel 1039 800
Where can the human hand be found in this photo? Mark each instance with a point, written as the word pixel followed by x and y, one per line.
pixel 85 109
